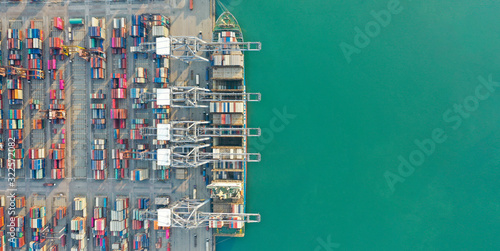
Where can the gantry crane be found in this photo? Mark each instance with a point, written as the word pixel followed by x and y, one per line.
pixel 194 155
pixel 54 114
pixel 193 97
pixel 82 52
pixel 187 213
pixel 196 131
pixel 21 72
pixel 188 47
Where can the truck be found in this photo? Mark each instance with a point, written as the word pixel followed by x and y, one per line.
pixel 194 193
pixel 70 34
pixel 198 79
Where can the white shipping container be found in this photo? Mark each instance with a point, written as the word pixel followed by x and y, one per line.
pixel 162 72
pixel 140 72
pixel 227 73
pixel 228 60
pixel 160 31
pixel 120 204
pixel 118 23
pixel 118 215
pixel 80 203
pixel 117 225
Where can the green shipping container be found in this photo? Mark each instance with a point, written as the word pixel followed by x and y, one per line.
pixel 76 21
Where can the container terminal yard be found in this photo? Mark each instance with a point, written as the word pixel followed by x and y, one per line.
pixel 124 125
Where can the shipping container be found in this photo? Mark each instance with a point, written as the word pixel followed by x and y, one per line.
pixel 226 107
pixel 58 23
pixel 76 21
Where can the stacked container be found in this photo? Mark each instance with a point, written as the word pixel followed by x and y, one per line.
pixel 118 113
pixel 162 172
pixel 15 91
pixel 119 163
pixel 98 95
pixel 98 116
pixel 57 154
pixel 161 113
pixel 141 241
pixel 137 32
pixel 37 223
pixel 78 224
pixel 14 45
pixel 139 174
pixel 2 224
pixel 141 75
pixel 226 107
pixel 139 219
pixel 99 223
pixel 122 62
pixel 19 237
pixel 118 92
pixel 139 123
pixel 97 34
pixel 119 219
pixel 59 214
pixel 34 104
pixel 15 119
pixel 15 124
pixel 1 102
pixel 34 45
pixel 20 201
pixel 135 94
pixel 161 75
pixel 160 25
pixel 37 163
pixel 99 159
pixel 119 39
pixel 1 64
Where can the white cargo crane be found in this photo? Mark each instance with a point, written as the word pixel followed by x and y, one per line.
pixel 187 47
pixel 194 131
pixel 193 97
pixel 186 213
pixel 194 155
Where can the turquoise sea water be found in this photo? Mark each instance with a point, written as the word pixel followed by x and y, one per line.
pixel 321 178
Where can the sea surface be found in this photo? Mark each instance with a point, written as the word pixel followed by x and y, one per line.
pixel 395 146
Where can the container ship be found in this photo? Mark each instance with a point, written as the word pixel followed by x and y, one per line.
pixel 229 178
